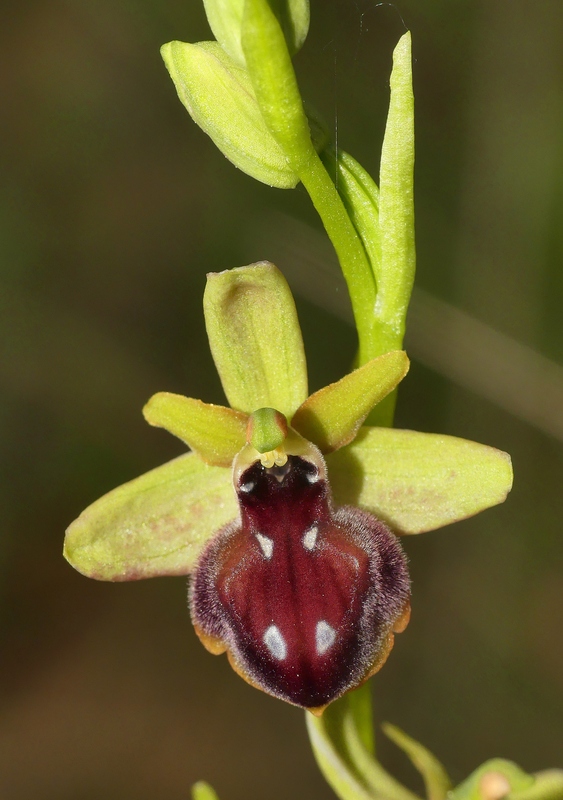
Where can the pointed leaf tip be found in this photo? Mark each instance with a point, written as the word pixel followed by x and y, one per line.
pixel 395 273
pixel 436 779
pixel 255 338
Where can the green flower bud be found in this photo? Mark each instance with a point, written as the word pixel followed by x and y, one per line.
pixel 219 97
pixel 225 20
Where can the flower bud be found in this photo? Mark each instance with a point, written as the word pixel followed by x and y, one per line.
pixel 219 97
pixel 225 20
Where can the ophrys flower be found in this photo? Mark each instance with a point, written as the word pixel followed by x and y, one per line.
pixel 295 570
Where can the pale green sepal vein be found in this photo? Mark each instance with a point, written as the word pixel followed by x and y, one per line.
pixel 331 417
pixel 255 338
pixel 203 791
pixel 215 433
pixel 154 525
pixel 271 72
pixel 436 779
pixel 225 20
pixel 395 275
pixel 419 481
pixel 219 97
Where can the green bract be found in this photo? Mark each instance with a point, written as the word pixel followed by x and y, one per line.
pixel 349 765
pixel 219 96
pixel 158 524
pixel 275 85
pixel 225 20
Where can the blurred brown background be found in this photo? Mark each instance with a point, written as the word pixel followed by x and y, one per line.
pixel 113 206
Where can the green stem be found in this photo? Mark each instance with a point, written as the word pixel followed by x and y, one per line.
pixel 349 249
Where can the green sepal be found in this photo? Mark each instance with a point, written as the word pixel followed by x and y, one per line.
pixel 475 786
pixel 331 417
pixel 436 779
pixel 360 195
pixel 255 338
pixel 219 97
pixel 419 481
pixel 154 525
pixel 203 791
pixel 225 20
pixel 342 756
pixel 215 433
pixel 275 86
pixel 395 275
pixel 267 430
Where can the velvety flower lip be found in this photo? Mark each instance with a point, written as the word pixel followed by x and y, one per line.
pixel 296 574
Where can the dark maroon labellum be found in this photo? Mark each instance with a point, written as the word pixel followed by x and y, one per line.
pixel 305 599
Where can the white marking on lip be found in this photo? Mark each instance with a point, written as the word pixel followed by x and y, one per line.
pixel 325 636
pixel 266 545
pixel 247 487
pixel 275 642
pixel 310 537
pixel 313 477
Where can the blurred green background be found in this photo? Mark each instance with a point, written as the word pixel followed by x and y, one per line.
pixel 113 206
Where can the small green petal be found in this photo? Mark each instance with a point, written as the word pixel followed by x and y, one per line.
pixel 331 417
pixel 154 525
pixel 419 481
pixel 486 782
pixel 225 20
pixel 435 777
pixel 255 338
pixel 219 97
pixel 267 430
pixel 215 433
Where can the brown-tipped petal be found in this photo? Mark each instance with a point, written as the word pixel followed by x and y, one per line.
pixel 332 416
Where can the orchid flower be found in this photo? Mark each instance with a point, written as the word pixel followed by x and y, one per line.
pixel 286 509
